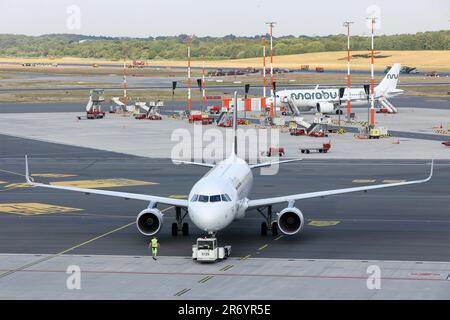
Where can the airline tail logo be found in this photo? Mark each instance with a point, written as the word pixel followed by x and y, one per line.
pixel 389 82
pixel 392 76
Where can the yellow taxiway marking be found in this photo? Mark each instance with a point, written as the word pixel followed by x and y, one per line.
pixel 29 209
pixel 246 257
pixel 207 278
pixel 31 264
pixel 53 175
pixel 180 293
pixel 393 181
pixel 18 185
pixel 323 223
pixel 103 183
pixel 263 247
pixel 228 267
pixel 2 182
pixel 278 238
pixel 104 235
pixel 178 196
pixel 364 181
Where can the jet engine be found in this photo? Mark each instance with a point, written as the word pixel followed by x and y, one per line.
pixel 325 107
pixel 290 221
pixel 149 221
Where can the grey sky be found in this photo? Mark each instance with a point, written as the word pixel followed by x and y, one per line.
pixel 139 18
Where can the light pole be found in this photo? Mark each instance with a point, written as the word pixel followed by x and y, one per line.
pixel 264 67
pixel 125 86
pixel 372 78
pixel 272 107
pixel 189 72
pixel 347 24
pixel 203 86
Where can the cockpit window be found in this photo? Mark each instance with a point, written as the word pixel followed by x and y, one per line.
pixel 203 198
pixel 215 198
pixel 194 198
pixel 226 198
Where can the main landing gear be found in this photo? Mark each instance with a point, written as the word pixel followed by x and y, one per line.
pixel 269 225
pixel 180 225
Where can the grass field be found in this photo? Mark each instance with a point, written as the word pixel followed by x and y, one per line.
pixel 82 96
pixel 423 60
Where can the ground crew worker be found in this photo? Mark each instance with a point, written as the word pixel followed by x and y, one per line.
pixel 154 245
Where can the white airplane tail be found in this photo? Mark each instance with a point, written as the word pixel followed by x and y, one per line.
pixel 388 86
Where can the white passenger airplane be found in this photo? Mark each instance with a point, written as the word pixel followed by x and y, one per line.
pixel 327 100
pixel 221 197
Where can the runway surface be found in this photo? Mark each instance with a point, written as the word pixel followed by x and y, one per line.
pixel 410 223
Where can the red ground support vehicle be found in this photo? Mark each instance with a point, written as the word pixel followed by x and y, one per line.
pixel 214 110
pixel 137 64
pixel 320 69
pixel 227 124
pixel 195 117
pixel 198 118
pixel 383 110
pixel 144 117
pixel 297 132
pixel 318 134
pixel 95 115
pixel 273 151
pixel 206 121
pixel 325 148
pixel 447 143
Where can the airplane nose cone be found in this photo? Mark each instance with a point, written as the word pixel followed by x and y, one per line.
pixel 210 218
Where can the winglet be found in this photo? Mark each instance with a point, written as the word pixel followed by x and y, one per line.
pixel 431 170
pixel 27 172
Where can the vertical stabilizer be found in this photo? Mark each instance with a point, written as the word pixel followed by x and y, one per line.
pixel 389 82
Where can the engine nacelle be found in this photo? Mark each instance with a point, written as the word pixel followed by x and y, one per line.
pixel 290 221
pixel 325 107
pixel 149 221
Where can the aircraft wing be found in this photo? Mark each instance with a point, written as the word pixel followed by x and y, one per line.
pixel 309 195
pixel 125 195
pixel 200 164
pixel 268 164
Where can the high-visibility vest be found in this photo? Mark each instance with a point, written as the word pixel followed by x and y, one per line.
pixel 154 243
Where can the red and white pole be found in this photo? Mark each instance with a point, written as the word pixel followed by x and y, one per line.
pixel 203 87
pixel 272 104
pixel 125 85
pixel 372 93
pixel 264 67
pixel 349 107
pixel 189 73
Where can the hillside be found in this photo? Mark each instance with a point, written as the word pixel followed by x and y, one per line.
pixel 212 48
